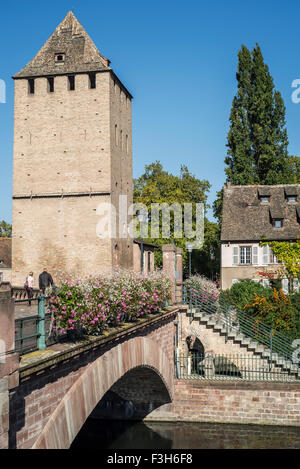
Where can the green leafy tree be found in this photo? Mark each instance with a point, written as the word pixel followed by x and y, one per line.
pixel 158 186
pixel 206 261
pixel 294 163
pixel 257 138
pixel 5 230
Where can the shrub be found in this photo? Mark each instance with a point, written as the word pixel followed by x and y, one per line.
pixel 242 293
pixel 94 304
pixel 276 311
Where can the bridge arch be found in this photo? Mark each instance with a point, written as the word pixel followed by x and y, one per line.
pixel 97 379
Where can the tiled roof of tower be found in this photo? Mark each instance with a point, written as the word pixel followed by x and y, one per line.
pixel 79 53
pixel 247 218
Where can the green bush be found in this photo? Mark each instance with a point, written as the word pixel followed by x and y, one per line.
pixel 242 293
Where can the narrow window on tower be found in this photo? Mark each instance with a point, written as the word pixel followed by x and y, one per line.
pixel 116 135
pixel 92 80
pixel 71 80
pixel 50 84
pixel 31 86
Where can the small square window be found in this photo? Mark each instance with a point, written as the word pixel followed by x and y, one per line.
pixel 277 223
pixel 59 58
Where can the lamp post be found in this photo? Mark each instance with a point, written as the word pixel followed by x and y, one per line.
pixel 142 218
pixel 189 247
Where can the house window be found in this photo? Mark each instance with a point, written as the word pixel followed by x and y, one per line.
pixel 265 200
pixel 31 86
pixel 245 255
pixel 277 223
pixel 92 80
pixel 71 81
pixel 292 198
pixel 50 84
pixel 272 257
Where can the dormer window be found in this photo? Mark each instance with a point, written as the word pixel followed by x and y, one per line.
pixel 277 217
pixel 59 58
pixel 264 195
pixel 291 194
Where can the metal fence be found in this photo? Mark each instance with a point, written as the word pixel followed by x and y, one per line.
pixel 231 367
pixel 32 331
pixel 236 320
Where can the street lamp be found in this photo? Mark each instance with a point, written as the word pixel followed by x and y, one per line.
pixel 142 218
pixel 189 247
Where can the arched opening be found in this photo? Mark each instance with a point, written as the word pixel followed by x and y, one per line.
pixel 132 398
pixel 139 362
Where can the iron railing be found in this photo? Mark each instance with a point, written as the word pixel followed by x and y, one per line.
pixel 231 367
pixel 236 320
pixel 32 332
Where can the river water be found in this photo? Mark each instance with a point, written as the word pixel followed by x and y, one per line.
pixel 111 434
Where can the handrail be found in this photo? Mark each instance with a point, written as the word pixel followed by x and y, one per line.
pixel 234 319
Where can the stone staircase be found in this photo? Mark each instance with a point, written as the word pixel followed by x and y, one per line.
pixel 244 342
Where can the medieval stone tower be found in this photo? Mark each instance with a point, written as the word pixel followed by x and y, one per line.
pixel 72 152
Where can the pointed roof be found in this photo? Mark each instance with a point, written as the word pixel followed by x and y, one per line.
pixel 79 53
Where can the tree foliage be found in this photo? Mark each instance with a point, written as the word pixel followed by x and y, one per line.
pixel 5 230
pixel 257 138
pixel 289 255
pixel 159 186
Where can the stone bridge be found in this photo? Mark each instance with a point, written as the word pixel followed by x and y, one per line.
pixel 47 397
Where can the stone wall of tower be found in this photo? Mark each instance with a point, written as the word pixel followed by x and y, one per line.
pixel 121 168
pixel 64 155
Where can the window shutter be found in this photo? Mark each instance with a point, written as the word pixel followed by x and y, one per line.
pixel 265 282
pixel 265 254
pixel 255 255
pixel 235 255
pixel 296 285
pixel 285 285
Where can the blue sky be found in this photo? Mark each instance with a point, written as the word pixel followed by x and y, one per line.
pixel 177 58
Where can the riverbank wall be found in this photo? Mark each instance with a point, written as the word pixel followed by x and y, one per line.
pixel 265 403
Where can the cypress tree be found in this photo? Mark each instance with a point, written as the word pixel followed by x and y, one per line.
pixel 257 139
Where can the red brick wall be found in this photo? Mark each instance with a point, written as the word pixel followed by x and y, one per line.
pixel 255 403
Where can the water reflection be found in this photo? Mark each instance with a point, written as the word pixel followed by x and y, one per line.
pixel 111 434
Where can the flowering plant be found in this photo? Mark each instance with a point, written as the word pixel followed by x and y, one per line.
pixel 203 290
pixel 94 304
